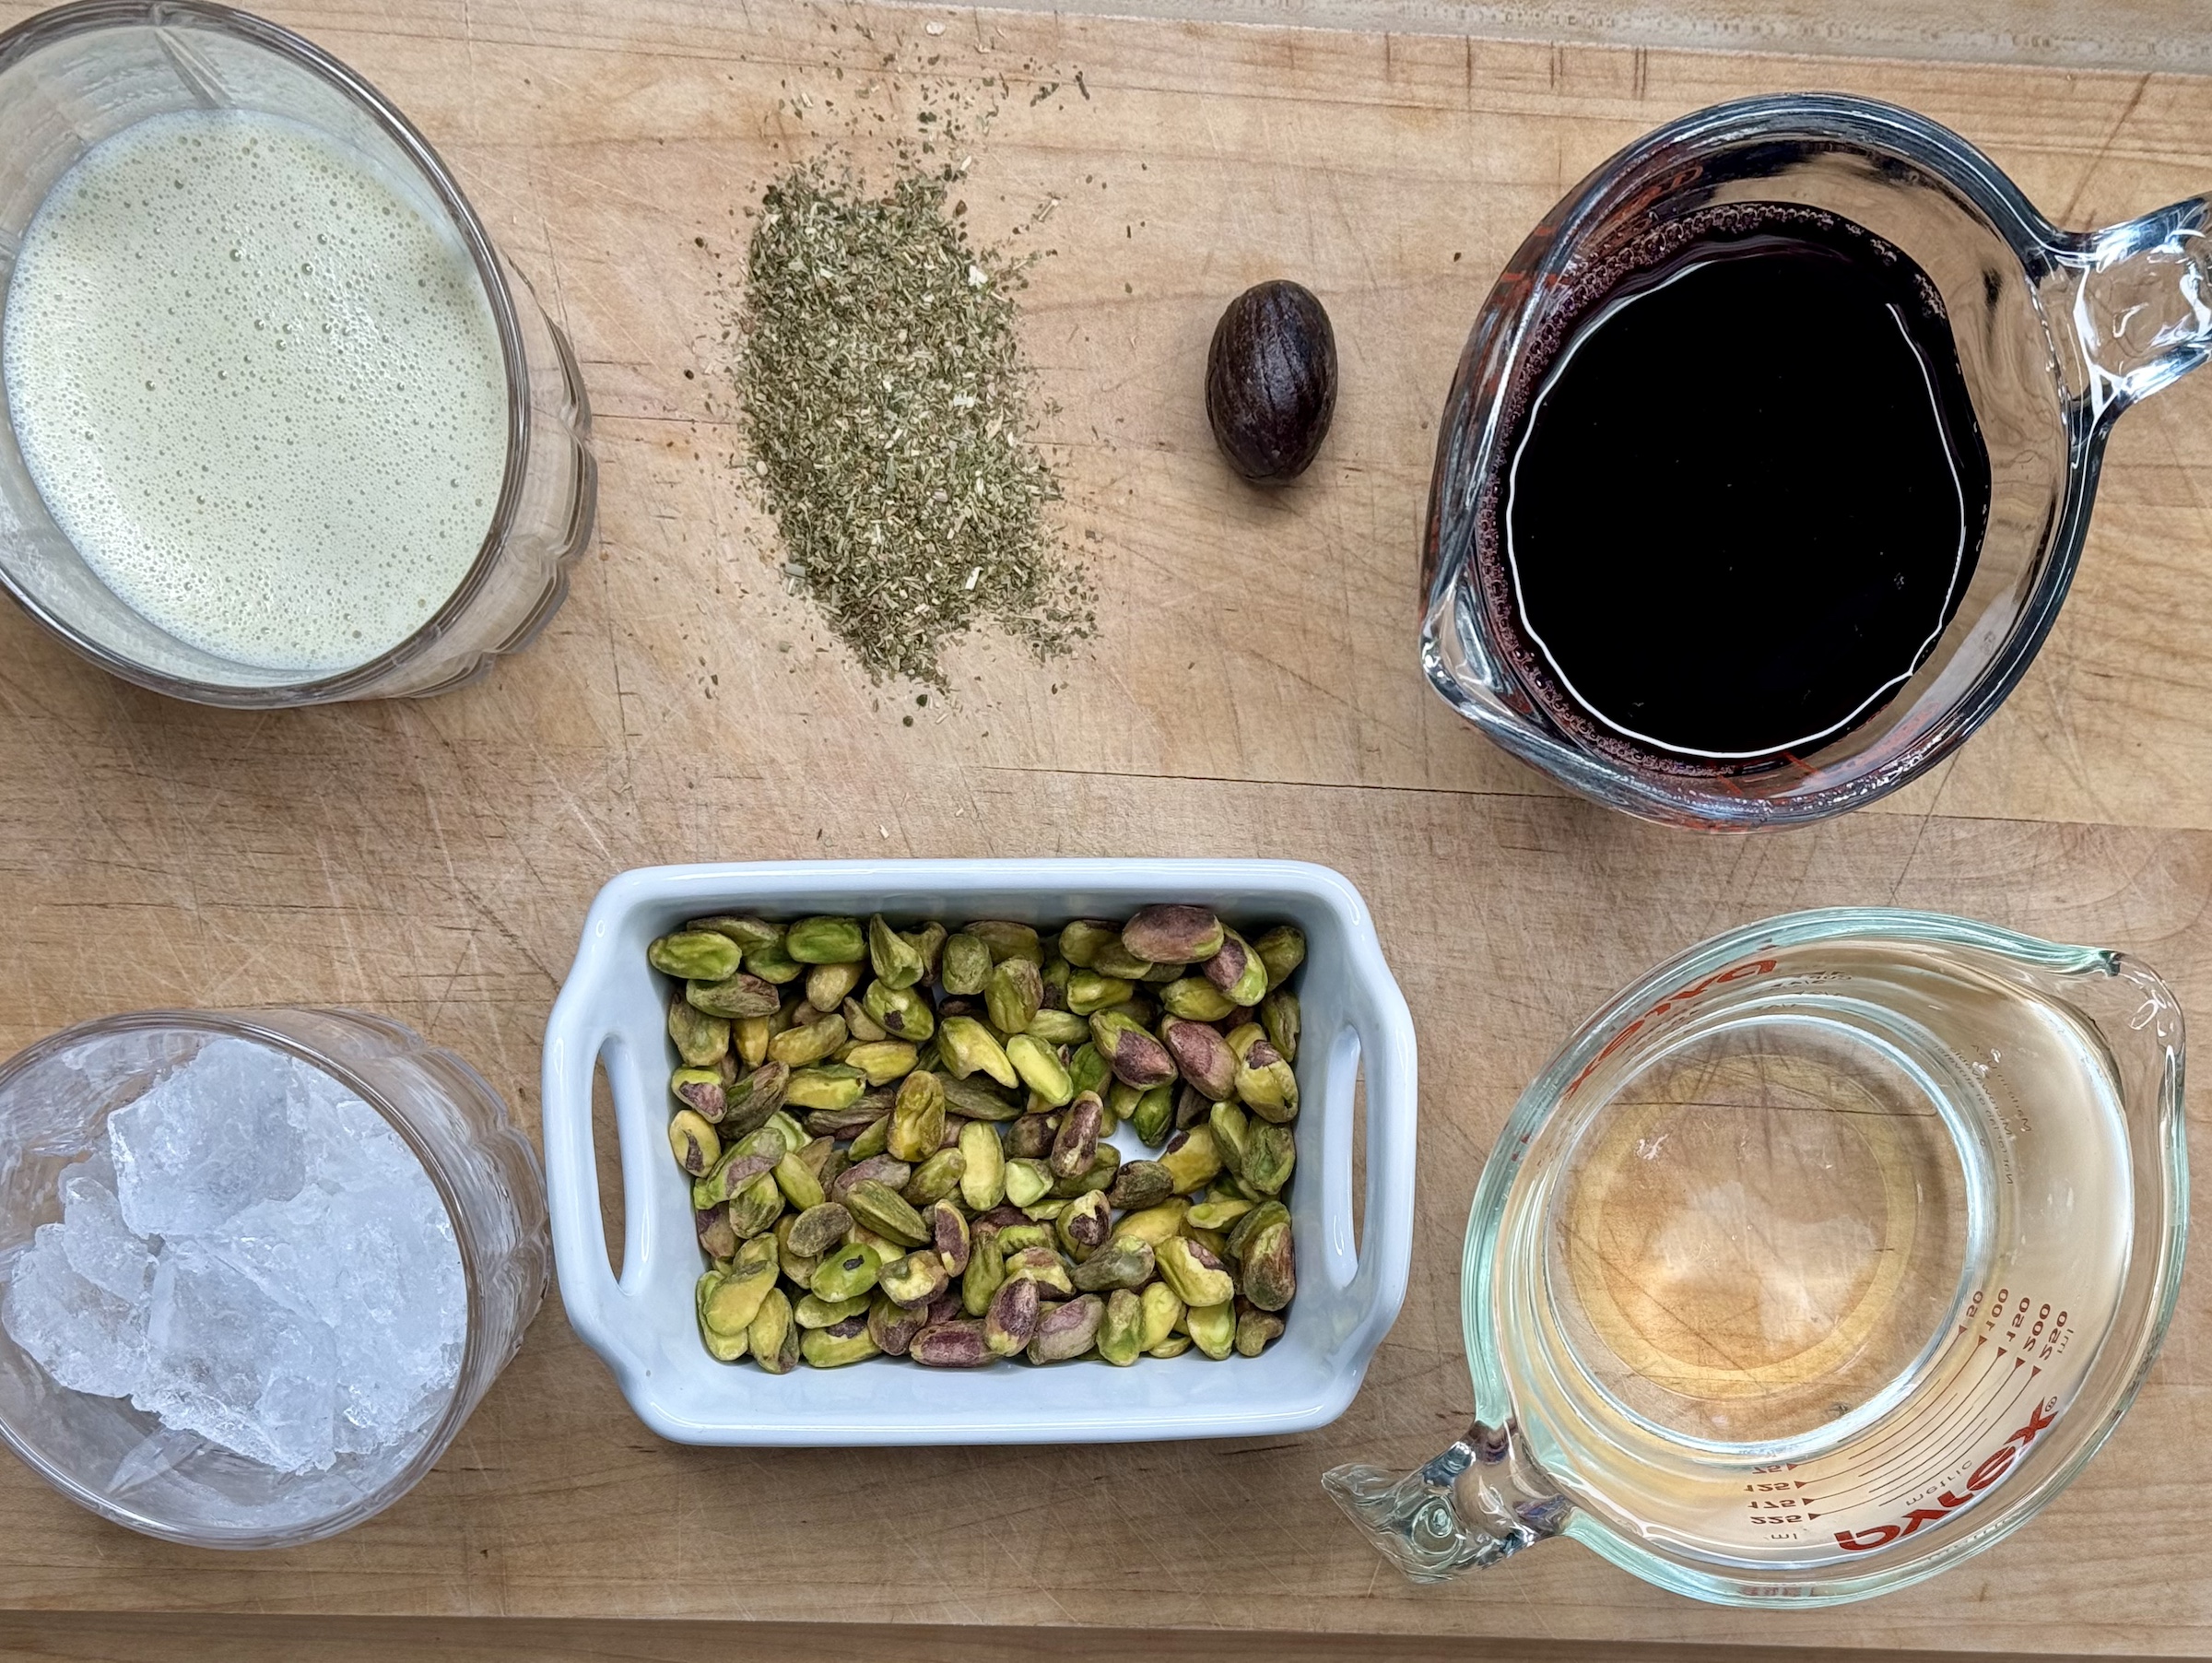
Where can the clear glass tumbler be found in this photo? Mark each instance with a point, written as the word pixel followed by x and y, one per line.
pixel 120 1461
pixel 74 76
pixel 2057 332
pixel 1816 1261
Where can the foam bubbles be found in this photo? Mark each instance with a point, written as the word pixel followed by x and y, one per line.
pixel 259 389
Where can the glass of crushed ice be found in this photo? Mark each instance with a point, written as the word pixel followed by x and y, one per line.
pixel 258 1266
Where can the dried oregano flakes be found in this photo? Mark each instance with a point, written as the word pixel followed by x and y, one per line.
pixel 887 410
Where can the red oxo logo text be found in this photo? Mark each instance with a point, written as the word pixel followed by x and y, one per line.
pixel 1950 1502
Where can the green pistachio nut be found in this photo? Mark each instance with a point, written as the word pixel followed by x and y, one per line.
pixel 756 1100
pixel 1212 1328
pixel 964 965
pixel 701 1090
pixel 901 1012
pixel 1087 1071
pixel 973 1100
pixel 744 931
pixel 757 1206
pixel 950 1236
pixel 1263 1214
pixel 1088 991
pixel 1031 1138
pixel 827 940
pixel 967 1046
pixel 1116 1265
pixel 936 1179
pixel 814 1312
pixel 1194 999
pixel 1174 1345
pixel 1112 958
pixel 860 1025
pixel 1077 1139
pixel 1197 1277
pixel 1013 1238
pixel 1006 939
pixel 1084 1227
pixel 1267 1085
pixel 1217 1215
pixel 693 1139
pixel 1154 1113
pixel 1122 1328
pixel 1013 995
pixel 1010 1320
pixel 1173 935
pixel 882 1209
pixel 773 1337
pixel 701 1040
pixel 716 1239
pixel 722 1348
pixel 1238 972
pixel 1192 1158
pixel 695 955
pixel 1256 1330
pixel 871 1140
pixel 733 1170
pixel 838 1344
pixel 1078 942
pixel 917 1119
pixel 1027 1180
pixel 771 964
pixel 846 1273
pixel 1140 1184
pixel 819 1229
pixel 1162 1313
pixel 1282 950
pixel 952 1345
pixel 1232 1132
pixel 801 1188
pixel 1270 1153
pixel 798 1046
pixel 830 985
pixel 1270 1266
pixel 983 1174
pixel 884 1169
pixel 1279 1017
pixel 731 1305
pixel 1201 1057
pixel 986 1270
pixel 749 1035
pixel 896 961
pixel 915 1279
pixel 1105 1162
pixel 1152 1226
pixel 825 1086
pixel 882 1061
pixel 1040 1070
pixel 929 941
pixel 1137 1058
pixel 1068 1330
pixel 1059 1028
pixel 739 995
pixel 1042 1266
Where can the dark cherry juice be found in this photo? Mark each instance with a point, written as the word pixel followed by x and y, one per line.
pixel 1744 490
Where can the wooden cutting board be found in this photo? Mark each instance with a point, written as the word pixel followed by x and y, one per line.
pixel 1253 690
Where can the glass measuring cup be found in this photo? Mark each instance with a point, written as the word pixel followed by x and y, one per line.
pixel 2057 332
pixel 79 74
pixel 1817 1260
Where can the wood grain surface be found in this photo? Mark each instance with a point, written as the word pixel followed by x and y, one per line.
pixel 1252 692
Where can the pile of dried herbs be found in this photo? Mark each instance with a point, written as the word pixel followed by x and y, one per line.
pixel 887 410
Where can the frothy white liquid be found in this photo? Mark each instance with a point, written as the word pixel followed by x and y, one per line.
pixel 260 392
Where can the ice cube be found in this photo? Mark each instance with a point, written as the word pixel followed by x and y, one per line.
pixel 209 1140
pixel 237 1366
pixel 82 1335
pixel 347 1144
pixel 99 1245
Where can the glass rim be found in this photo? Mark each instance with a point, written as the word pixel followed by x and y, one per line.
pixel 1874 128
pixel 2165 1136
pixel 241 1024
pixel 80 18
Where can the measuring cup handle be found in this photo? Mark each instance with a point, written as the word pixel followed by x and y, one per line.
pixel 1469 1507
pixel 2141 303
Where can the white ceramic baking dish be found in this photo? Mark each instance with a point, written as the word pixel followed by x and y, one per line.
pixel 610 1015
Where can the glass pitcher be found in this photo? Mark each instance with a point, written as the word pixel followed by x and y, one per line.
pixel 2057 332
pixel 1816 1261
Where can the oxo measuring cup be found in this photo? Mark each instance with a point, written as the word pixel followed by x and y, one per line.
pixel 1816 1261
pixel 2057 332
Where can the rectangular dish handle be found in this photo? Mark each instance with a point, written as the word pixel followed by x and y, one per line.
pixel 1377 1018
pixel 589 1289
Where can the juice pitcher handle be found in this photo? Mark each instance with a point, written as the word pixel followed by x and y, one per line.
pixel 2140 298
pixel 1469 1507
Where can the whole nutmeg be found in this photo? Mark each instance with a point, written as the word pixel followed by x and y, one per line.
pixel 1271 380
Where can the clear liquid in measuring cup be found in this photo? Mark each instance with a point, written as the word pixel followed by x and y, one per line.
pixel 1818 1270
pixel 1744 490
